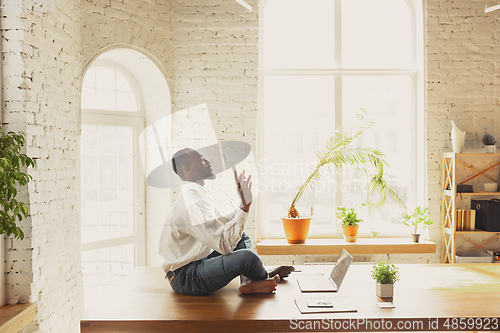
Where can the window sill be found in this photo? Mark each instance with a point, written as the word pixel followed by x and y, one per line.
pixel 15 317
pixel 334 246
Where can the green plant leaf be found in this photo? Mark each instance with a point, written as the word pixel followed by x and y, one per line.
pixel 417 217
pixel 385 273
pixel 12 175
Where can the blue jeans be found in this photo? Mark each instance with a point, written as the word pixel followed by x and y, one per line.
pixel 216 270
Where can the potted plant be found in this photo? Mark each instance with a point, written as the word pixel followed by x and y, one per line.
pixel 349 223
pixel 338 152
pixel 11 177
pixel 385 275
pixel 418 216
pixel 489 142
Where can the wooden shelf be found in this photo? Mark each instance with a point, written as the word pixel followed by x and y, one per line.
pixel 334 246
pixel 451 154
pixel 477 232
pixel 450 193
pixel 478 193
pixel 450 180
pixel 15 317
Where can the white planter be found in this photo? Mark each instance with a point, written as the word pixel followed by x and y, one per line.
pixel 457 138
pixel 385 290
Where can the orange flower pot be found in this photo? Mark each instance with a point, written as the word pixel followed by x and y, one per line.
pixel 296 230
pixel 351 232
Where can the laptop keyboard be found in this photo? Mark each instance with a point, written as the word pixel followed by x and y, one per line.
pixel 319 282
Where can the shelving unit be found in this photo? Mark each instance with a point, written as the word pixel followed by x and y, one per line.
pixel 449 203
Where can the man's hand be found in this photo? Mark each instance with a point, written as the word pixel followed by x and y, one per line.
pixel 244 188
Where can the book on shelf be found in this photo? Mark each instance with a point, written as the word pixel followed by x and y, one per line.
pixel 472 219
pixel 465 219
pixel 464 216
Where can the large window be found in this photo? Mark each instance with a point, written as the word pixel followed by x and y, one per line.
pixel 322 61
pixel 112 185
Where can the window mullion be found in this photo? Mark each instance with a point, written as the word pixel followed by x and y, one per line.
pixel 338 90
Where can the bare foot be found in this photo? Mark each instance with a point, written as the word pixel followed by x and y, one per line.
pixel 266 286
pixel 282 271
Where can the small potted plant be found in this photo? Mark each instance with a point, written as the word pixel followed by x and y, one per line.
pixel 385 275
pixel 489 142
pixel 350 221
pixel 418 216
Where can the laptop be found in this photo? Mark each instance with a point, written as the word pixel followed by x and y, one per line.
pixel 322 283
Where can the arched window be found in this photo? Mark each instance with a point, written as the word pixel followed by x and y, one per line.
pixel 112 184
pixel 321 62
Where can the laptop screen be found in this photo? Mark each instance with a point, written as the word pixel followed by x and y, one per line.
pixel 341 266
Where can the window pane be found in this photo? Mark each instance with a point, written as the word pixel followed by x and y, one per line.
pixel 122 83
pixel 299 34
pixel 107 182
pixel 376 34
pixel 107 89
pixel 89 80
pixel 105 99
pixel 125 101
pixel 298 120
pixel 105 78
pixel 387 100
pixel 88 98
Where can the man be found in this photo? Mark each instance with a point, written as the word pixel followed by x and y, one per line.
pixel 204 249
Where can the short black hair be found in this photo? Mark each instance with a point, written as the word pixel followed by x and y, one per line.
pixel 179 160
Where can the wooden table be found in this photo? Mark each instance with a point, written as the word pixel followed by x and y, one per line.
pixel 427 297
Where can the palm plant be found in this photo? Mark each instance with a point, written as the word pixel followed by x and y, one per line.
pixel 340 151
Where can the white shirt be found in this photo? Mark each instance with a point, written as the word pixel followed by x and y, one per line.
pixel 195 227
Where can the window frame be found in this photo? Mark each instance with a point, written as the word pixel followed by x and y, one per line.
pixel 418 165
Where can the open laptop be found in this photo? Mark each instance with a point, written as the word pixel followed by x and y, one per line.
pixel 322 283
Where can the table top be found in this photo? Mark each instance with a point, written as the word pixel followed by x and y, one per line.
pixel 147 303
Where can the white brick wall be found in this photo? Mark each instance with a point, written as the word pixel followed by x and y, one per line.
pixel 42 96
pixel 142 25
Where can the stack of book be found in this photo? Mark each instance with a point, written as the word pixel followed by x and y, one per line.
pixel 465 219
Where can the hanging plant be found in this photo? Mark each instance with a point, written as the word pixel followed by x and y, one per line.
pixel 11 177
